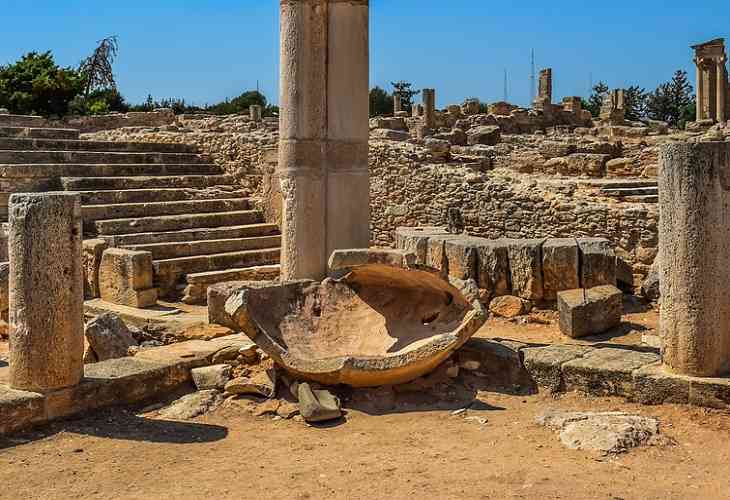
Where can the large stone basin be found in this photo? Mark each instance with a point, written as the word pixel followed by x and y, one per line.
pixel 380 322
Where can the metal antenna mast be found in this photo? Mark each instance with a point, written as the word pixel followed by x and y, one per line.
pixel 532 76
pixel 506 93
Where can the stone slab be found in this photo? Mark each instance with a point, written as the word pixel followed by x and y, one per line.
pixel 560 266
pixel 544 364
pixel 606 371
pixel 598 262
pixel 525 262
pixel 589 312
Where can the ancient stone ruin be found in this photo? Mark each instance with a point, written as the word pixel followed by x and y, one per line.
pixel 713 97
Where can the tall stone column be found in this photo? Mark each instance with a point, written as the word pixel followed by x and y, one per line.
pixel 721 89
pixel 397 103
pixel 46 291
pixel 700 90
pixel 429 107
pixel 323 152
pixel 694 239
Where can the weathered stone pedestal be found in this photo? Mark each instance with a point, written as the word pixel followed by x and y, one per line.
pixel 323 153
pixel 694 238
pixel 46 292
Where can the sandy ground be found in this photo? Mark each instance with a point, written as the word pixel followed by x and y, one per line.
pixel 421 453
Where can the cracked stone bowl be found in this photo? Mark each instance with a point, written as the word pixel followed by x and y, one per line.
pixel 380 322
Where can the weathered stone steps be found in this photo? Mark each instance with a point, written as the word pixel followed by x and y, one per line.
pixel 129 210
pixel 97 157
pixel 39 133
pixel 170 273
pixel 159 195
pixel 174 222
pixel 171 250
pixel 42 144
pixel 630 191
pixel 144 182
pixel 196 291
pixel 17 170
pixel 22 121
pixel 207 233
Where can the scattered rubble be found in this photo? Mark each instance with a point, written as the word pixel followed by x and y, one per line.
pixel 108 337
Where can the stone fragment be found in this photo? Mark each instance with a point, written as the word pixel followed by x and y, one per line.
pixel 108 337
pixel 598 262
pixel 556 149
pixel 525 262
pixel 577 164
pixel 46 292
pixel 317 405
pixel 438 147
pixel 559 266
pixel 92 251
pixel 489 135
pixel 192 405
pixel 585 312
pixel 389 134
pixel 260 384
pixel 623 167
pixel 493 272
pixel 607 432
pixel 211 377
pixel 125 278
pixel 509 306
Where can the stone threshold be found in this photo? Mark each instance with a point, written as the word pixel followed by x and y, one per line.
pixel 150 375
pixel 632 372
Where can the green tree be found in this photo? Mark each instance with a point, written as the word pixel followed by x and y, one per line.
pixel 671 101
pixel 595 101
pixel 381 102
pixel 36 84
pixel 406 92
pixel 239 104
pixel 635 99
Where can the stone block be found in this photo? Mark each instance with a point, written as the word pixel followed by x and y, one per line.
pixel 91 252
pixel 585 312
pixel 492 267
pixel 125 278
pixel 461 258
pixel 623 167
pixel 415 240
pixel 655 385
pixel 606 371
pixel 577 164
pixel 525 262
pixel 556 149
pixel 499 362
pixel 598 262
pixel 560 265
pixel 342 261
pixel 509 306
pixel 436 252
pixel 489 135
pixel 19 409
pixel 544 364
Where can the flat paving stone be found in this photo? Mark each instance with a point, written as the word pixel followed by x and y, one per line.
pixel 545 363
pixel 606 371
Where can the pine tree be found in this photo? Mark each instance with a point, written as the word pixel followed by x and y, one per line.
pixel 406 93
pixel 595 101
pixel 635 103
pixel 671 101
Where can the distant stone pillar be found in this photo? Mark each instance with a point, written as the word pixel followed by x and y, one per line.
pixel 699 87
pixel 397 103
pixel 256 112
pixel 46 291
pixel 721 89
pixel 545 90
pixel 694 187
pixel 429 107
pixel 323 147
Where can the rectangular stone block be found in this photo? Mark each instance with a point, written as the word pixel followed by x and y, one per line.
pixel 492 266
pixel 19 409
pixel 525 262
pixel 461 258
pixel 500 362
pixel 560 265
pixel 606 371
pixel 125 278
pixel 544 364
pixel 415 240
pixel 598 262
pixel 91 252
pixel 436 252
pixel 589 312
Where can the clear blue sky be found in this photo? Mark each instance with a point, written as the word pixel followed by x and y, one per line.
pixel 206 50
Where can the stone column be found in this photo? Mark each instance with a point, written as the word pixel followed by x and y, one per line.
pixel 46 292
pixel 721 89
pixel 429 107
pixel 694 238
pixel 397 103
pixel 323 150
pixel 700 89
pixel 255 111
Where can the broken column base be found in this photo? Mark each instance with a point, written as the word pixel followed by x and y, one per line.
pixel 589 312
pixel 125 278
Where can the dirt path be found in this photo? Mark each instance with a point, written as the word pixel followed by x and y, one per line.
pixel 420 454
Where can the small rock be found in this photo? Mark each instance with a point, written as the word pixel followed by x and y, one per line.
pixel 211 377
pixel 470 365
pixel 108 338
pixel 224 355
pixel 287 410
pixel 509 306
pixel 260 384
pixel 318 406
pixel 192 405
pixel 268 407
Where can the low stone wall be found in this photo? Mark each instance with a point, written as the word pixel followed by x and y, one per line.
pixel 85 124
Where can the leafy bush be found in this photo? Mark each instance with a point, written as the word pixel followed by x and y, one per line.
pixel 36 84
pixel 381 102
pixel 99 102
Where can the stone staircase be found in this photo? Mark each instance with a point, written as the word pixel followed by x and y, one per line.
pixel 633 191
pixel 163 198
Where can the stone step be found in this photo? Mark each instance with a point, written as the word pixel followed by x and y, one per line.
pixel 157 195
pixel 30 144
pixel 97 157
pixel 22 121
pixel 129 210
pixel 171 250
pixel 40 133
pixel 170 273
pixel 173 222
pixel 17 170
pixel 630 191
pixel 144 182
pixel 649 198
pixel 196 291
pixel 207 233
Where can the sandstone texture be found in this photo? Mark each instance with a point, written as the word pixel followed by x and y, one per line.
pixel 585 312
